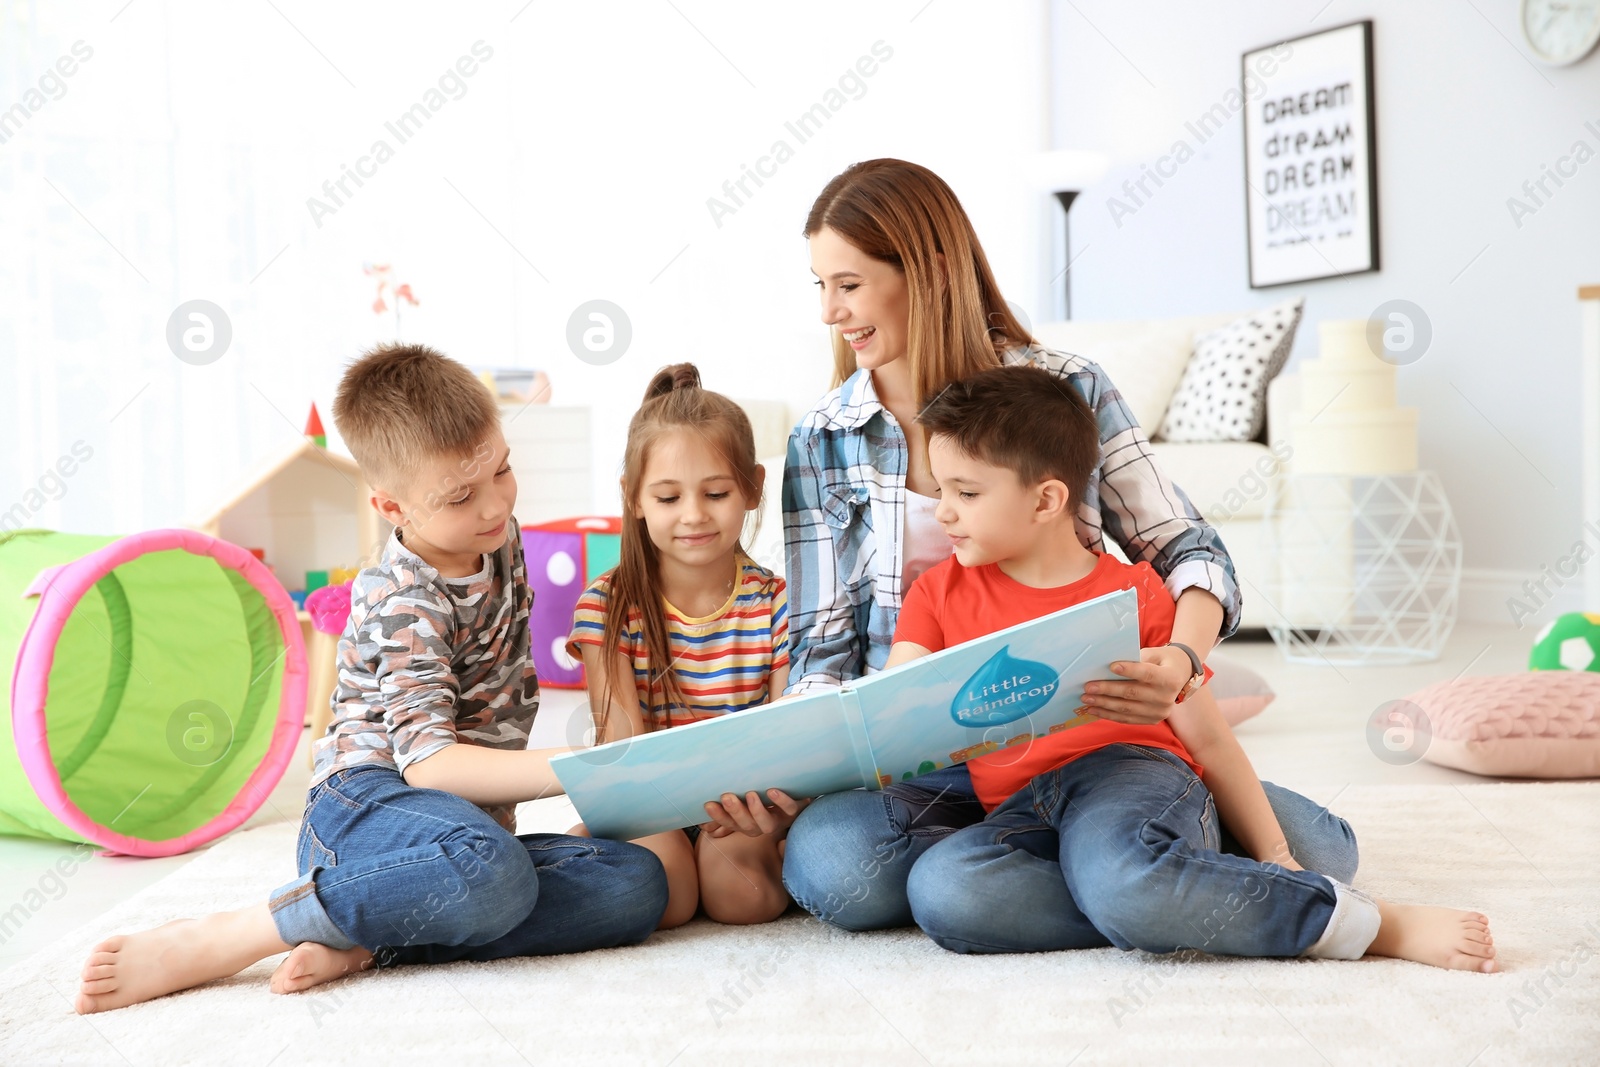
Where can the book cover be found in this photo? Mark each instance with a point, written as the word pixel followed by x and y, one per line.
pixel 965 701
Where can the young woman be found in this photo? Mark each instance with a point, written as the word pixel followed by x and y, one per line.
pixel 907 290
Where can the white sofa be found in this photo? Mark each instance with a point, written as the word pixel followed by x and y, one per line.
pixel 1231 482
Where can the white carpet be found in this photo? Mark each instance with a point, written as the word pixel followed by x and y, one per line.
pixel 1524 854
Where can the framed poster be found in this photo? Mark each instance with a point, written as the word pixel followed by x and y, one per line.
pixel 1310 159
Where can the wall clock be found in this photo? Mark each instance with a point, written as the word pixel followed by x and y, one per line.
pixel 1561 31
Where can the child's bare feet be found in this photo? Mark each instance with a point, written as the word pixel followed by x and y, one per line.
pixel 131 968
pixel 310 964
pixel 1439 937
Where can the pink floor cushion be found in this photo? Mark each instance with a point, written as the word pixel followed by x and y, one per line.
pixel 1241 693
pixel 1543 724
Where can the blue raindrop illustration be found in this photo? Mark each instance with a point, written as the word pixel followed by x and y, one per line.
pixel 1003 690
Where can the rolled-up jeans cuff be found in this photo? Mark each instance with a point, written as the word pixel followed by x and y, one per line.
pixel 1351 928
pixel 300 916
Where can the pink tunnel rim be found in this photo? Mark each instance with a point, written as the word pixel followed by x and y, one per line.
pixel 64 588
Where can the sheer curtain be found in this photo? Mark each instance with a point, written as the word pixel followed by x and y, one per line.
pixel 574 162
pixel 175 163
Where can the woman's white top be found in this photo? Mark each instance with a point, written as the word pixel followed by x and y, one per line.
pixel 925 541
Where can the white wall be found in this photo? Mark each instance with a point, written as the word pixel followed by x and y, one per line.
pixel 179 160
pixel 1464 117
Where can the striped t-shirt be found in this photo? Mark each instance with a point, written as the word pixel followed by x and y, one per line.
pixel 722 660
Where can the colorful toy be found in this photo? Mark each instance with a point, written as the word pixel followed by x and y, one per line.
pixel 315 580
pixel 157 687
pixel 329 608
pixel 305 508
pixel 314 430
pixel 1571 642
pixel 516 384
pixel 562 558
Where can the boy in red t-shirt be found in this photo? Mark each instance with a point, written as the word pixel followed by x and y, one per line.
pixel 1114 824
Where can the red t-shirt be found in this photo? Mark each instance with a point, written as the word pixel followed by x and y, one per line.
pixel 950 604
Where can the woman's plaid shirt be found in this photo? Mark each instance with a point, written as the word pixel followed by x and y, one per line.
pixel 845 479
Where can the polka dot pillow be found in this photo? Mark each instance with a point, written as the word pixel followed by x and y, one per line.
pixel 1223 393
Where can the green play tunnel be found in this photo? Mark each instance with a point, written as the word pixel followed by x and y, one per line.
pixel 157 687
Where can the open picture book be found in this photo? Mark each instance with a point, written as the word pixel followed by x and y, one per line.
pixel 968 700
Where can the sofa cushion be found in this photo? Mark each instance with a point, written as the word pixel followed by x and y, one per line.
pixel 1225 480
pixel 1223 393
pixel 1144 359
pixel 770 423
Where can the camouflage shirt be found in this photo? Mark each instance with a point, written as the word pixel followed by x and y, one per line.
pixel 427 661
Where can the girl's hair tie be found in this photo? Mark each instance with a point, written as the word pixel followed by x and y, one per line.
pixel 668 379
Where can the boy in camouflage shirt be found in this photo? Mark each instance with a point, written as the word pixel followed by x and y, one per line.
pixel 407 851
pixel 413 630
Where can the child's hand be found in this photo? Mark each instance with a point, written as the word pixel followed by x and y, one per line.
pixel 1147 696
pixel 749 816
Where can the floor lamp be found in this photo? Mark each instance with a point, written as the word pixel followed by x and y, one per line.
pixel 1064 174
pixel 1065 197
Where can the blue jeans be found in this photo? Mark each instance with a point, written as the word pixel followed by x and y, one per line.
pixel 849 855
pixel 424 876
pixel 1118 847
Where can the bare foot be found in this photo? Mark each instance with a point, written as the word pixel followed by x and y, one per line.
pixel 1439 937
pixel 310 964
pixel 131 968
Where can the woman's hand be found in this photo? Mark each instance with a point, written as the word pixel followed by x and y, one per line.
pixel 1147 696
pixel 749 816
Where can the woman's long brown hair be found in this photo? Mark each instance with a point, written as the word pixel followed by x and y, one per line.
pixel 906 216
pixel 674 401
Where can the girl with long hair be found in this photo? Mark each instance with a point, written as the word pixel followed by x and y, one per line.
pixel 687 627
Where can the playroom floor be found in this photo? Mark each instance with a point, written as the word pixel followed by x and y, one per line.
pixel 1313 738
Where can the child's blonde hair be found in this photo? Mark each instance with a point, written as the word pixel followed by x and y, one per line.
pixel 674 401
pixel 400 406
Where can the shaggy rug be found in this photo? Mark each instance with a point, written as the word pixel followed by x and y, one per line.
pixel 798 992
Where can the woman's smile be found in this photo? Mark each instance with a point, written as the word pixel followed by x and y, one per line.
pixel 858 339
